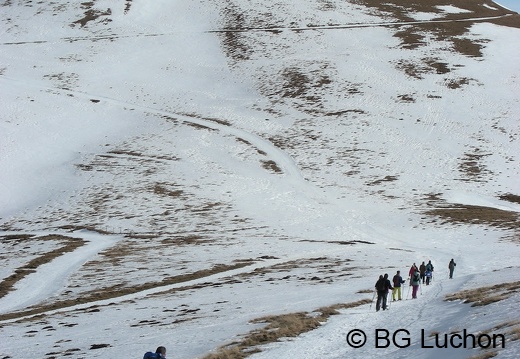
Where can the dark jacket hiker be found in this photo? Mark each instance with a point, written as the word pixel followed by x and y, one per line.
pixel 451 267
pixel 382 287
pixel 398 280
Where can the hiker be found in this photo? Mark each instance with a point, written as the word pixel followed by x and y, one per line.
pixel 422 270
pixel 397 280
pixel 428 275
pixel 451 267
pixel 416 282
pixel 382 286
pixel 429 272
pixel 160 353
pixel 411 272
pixel 429 266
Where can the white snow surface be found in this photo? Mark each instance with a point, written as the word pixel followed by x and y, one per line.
pixel 155 131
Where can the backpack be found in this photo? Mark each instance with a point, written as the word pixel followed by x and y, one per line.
pixel 417 277
pixel 381 285
pixel 150 355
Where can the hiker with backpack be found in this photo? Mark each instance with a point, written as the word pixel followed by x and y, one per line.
pixel 382 287
pixel 411 272
pixel 160 353
pixel 416 282
pixel 397 281
pixel 429 272
pixel 428 276
pixel 451 267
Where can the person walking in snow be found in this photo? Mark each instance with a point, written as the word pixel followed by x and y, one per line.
pixel 160 353
pixel 397 280
pixel 411 272
pixel 416 282
pixel 422 270
pixel 382 287
pixel 428 276
pixel 429 266
pixel 451 267
pixel 429 272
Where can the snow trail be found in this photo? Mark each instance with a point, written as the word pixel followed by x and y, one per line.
pixel 51 277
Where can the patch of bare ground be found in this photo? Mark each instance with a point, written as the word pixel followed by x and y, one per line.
pixel 313 271
pixel 447 27
pixel 460 213
pixel 472 166
pixel 417 69
pixel 119 291
pixel 271 166
pixel 288 325
pixel 456 213
pixel 486 355
pixel 513 198
pixel 234 43
pixel 486 295
pixel 67 244
pixel 128 5
pixel 304 84
pixel 93 14
pixel 510 21
pixel 385 179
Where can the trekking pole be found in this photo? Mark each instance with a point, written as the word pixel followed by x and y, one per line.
pixel 389 302
pixel 372 302
pixel 420 287
pixel 407 295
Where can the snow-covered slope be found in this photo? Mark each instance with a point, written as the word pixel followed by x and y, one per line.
pixel 230 160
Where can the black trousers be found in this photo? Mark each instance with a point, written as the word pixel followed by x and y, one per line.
pixel 381 299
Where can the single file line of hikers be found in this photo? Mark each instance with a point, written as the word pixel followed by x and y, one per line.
pixel 416 277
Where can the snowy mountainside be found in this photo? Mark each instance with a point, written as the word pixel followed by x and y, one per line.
pixel 172 171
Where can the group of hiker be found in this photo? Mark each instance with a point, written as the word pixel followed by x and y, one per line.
pixel 416 275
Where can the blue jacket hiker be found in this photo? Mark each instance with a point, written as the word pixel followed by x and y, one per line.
pixel 398 280
pixel 160 353
pixel 429 272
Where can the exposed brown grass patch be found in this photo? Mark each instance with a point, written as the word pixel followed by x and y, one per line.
pixel 162 189
pixel 280 326
pixel 271 166
pixel 486 355
pixel 513 198
pixel 468 214
pixel 456 213
pixel 385 179
pixel 472 166
pixel 486 295
pixel 452 28
pixel 92 14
